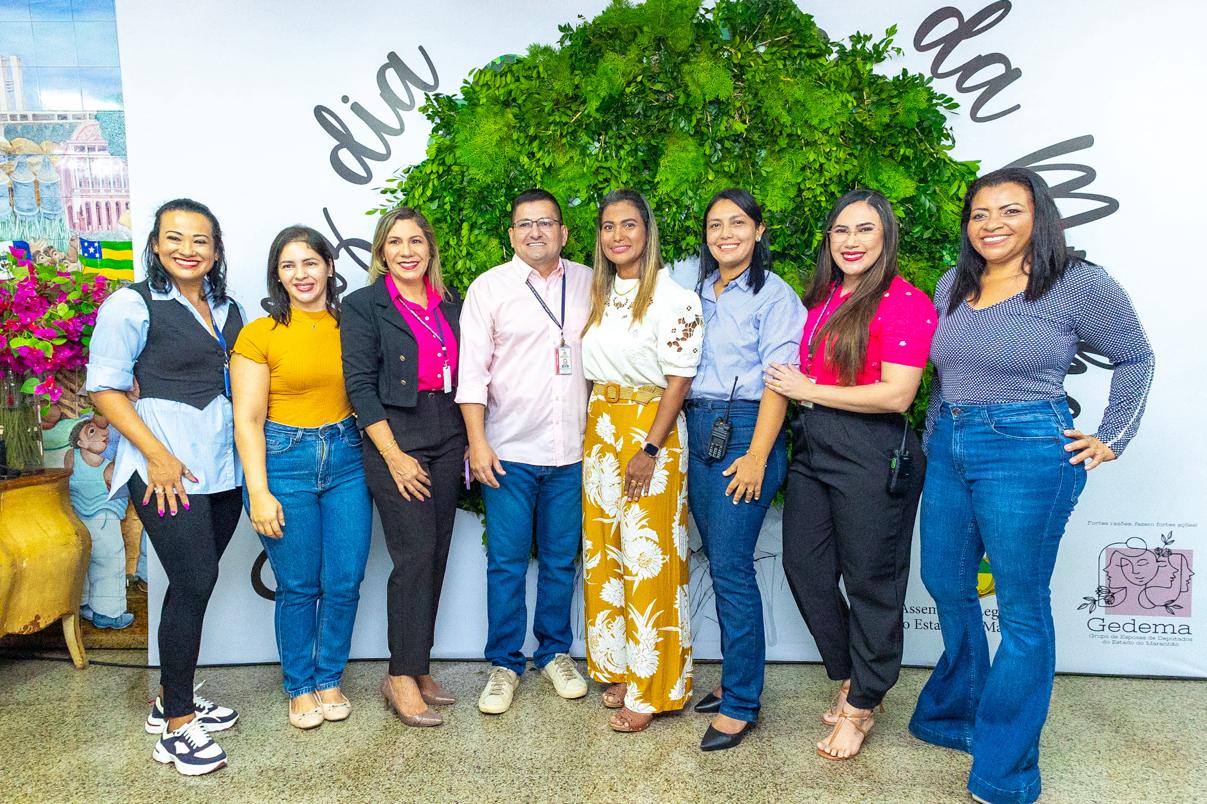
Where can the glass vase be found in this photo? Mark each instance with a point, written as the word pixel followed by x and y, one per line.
pixel 20 430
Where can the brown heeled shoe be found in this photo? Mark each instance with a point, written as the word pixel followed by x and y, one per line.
pixel 425 718
pixel 441 698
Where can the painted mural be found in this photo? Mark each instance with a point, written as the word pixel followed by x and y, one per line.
pixel 64 189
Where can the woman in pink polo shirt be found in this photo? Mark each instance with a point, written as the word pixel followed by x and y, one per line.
pixel 852 493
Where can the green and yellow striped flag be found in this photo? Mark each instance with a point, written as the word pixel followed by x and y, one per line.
pixel 112 259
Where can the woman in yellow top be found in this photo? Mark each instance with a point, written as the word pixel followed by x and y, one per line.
pixel 305 489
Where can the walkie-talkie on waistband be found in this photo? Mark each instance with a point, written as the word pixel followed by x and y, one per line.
pixel 722 429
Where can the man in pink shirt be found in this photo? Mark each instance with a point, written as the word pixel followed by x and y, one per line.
pixel 522 393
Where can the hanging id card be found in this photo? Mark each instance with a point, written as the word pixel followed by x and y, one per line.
pixel 565 365
pixel 447 373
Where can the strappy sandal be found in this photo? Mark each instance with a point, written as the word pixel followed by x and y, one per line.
pixel 831 716
pixel 611 700
pixel 858 721
pixel 623 722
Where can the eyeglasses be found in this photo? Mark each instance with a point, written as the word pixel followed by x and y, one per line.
pixel 544 224
pixel 863 231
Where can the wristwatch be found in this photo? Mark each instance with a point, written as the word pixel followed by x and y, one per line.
pixel 650 449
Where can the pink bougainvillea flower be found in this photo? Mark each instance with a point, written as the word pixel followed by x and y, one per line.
pixel 48 387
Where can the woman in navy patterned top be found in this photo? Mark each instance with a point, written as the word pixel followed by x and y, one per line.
pixel 1005 465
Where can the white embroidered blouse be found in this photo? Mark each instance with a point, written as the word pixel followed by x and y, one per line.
pixel 667 340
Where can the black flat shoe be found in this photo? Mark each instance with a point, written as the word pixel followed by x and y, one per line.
pixel 715 740
pixel 708 705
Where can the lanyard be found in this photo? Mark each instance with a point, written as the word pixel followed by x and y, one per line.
pixel 226 359
pixel 437 333
pixel 821 319
pixel 561 325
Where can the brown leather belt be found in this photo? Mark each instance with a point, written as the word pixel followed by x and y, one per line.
pixel 614 392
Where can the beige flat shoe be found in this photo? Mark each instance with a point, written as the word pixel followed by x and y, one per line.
pixel 310 716
pixel 337 709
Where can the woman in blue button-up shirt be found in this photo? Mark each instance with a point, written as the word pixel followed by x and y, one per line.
pixel 166 340
pixel 752 319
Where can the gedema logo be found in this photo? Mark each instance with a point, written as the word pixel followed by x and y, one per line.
pixel 1134 579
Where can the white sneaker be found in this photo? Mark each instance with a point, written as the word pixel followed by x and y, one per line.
pixel 500 689
pixel 213 717
pixel 566 679
pixel 191 749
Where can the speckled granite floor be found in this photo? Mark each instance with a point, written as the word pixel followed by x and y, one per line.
pixel 77 736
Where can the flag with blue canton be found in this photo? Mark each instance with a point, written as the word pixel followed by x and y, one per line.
pixel 112 259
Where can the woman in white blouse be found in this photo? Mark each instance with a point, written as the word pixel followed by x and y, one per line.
pixel 640 347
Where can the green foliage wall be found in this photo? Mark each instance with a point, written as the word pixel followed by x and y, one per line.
pixel 679 102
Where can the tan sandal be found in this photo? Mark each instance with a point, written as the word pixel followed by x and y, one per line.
pixel 611 700
pixel 862 725
pixel 830 717
pixel 625 723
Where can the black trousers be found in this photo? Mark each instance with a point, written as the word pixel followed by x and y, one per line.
pixel 840 522
pixel 189 545
pixel 418 532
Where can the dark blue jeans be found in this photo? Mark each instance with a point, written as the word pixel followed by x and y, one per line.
pixel 317 475
pixel 729 533
pixel 546 501
pixel 999 482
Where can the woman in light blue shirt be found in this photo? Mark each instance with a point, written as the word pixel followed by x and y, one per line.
pixel 170 336
pixel 752 319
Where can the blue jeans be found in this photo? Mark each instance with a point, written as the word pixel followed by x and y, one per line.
pixel 547 500
pixel 317 475
pixel 999 482
pixel 729 533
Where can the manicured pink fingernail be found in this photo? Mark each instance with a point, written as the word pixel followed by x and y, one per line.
pixel 186 506
pixel 161 512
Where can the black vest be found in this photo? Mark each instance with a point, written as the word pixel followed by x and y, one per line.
pixel 182 361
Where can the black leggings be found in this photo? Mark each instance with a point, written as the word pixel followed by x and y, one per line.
pixel 189 545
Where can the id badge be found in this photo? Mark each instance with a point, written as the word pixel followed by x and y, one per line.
pixel 565 365
pixel 447 373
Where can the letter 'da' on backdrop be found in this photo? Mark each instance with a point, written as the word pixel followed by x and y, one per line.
pixel 304 128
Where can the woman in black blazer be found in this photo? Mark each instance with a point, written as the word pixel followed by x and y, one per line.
pixel 399 336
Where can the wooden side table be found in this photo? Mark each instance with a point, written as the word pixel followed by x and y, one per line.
pixel 44 551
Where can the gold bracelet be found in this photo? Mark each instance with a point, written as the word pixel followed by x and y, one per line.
pixel 383 450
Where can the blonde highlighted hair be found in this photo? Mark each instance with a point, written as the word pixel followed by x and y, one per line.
pixel 377 264
pixel 605 270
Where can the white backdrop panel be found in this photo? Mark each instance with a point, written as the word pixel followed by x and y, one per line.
pixel 232 123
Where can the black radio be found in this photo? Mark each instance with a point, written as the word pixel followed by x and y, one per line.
pixel 900 467
pixel 718 439
pixel 722 429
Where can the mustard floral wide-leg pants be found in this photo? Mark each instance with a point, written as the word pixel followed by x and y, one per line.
pixel 635 560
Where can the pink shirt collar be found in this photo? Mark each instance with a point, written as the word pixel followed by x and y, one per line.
pixel 433 299
pixel 525 271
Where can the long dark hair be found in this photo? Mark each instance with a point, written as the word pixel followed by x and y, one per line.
pixel 1047 255
pixel 845 334
pixel 279 307
pixel 158 277
pixel 760 260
